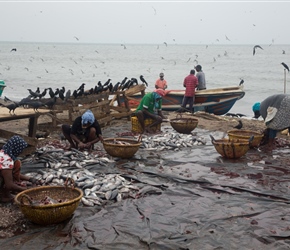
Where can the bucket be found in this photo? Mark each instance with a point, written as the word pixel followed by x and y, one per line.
pixel 2 86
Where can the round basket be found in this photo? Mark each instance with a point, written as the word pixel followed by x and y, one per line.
pixel 231 148
pixel 121 147
pixel 51 213
pixel 246 134
pixel 184 125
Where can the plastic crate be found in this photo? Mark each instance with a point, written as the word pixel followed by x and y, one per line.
pixel 136 127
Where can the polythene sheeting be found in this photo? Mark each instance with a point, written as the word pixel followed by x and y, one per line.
pixel 197 200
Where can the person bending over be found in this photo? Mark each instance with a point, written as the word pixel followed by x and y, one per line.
pixel 150 107
pixel 84 132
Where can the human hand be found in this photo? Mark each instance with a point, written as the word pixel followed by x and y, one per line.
pixel 81 145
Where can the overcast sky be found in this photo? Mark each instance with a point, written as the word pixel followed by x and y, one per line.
pixel 156 22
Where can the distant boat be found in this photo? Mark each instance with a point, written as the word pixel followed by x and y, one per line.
pixel 217 101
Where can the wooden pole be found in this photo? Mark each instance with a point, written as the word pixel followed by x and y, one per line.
pixel 284 81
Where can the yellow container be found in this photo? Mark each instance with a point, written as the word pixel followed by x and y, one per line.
pixel 245 135
pixel 136 127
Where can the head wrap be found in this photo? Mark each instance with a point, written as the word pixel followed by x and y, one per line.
pixel 256 106
pixel 160 92
pixel 14 146
pixel 88 117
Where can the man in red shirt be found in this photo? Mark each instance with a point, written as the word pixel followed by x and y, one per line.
pixel 190 83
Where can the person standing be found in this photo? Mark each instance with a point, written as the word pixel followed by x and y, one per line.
pixel 275 112
pixel 161 83
pixel 190 83
pixel 84 132
pixel 200 77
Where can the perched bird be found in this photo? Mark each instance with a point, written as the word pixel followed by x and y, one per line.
pixel 239 126
pixel 51 93
pixel 43 93
pixel 285 66
pixel 67 95
pixel 143 80
pixel 61 94
pixel 255 47
pixel 82 86
pixel 50 103
pixel 134 80
pixel 241 82
pixel 11 107
pixel 36 105
pixel 34 94
pixel 123 81
pixel 116 86
pixel 75 94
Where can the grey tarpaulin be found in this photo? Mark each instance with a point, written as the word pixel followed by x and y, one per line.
pixel 192 199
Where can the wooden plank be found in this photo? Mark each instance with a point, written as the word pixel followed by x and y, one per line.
pixel 7 135
pixel 135 89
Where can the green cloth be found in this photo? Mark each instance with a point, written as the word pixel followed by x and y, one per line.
pixel 149 102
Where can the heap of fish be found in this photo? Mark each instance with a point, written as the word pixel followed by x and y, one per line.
pixel 171 141
pixel 98 188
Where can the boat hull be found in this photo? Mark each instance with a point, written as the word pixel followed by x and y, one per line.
pixel 216 101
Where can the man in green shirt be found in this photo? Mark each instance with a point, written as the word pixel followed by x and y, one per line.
pixel 150 107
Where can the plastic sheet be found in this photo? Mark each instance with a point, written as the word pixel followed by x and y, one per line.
pixel 189 199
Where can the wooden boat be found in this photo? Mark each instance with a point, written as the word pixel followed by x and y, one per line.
pixel 217 101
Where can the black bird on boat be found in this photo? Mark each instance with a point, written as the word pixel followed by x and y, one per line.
pixel 241 82
pixel 285 66
pixel 11 107
pixel 143 80
pixel 61 94
pixel 239 126
pixel 67 95
pixel 43 93
pixel 116 86
pixel 107 82
pixel 36 105
pixel 37 90
pixel 134 80
pixel 34 94
pixel 124 80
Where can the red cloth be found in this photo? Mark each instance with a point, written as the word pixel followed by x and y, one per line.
pixel 190 83
pixel 160 92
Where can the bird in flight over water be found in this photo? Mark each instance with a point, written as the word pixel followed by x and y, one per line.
pixel 255 47
pixel 285 66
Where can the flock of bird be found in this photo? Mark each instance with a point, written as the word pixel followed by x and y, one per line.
pixel 36 99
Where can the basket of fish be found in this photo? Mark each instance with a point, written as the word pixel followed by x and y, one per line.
pixel 184 125
pixel 48 205
pixel 246 134
pixel 231 148
pixel 121 147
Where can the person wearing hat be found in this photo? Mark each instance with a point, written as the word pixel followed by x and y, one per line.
pixel 200 77
pixel 150 107
pixel 275 112
pixel 10 166
pixel 84 132
pixel 161 83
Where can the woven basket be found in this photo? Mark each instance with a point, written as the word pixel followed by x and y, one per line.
pixel 136 126
pixel 125 151
pixel 231 148
pixel 246 134
pixel 184 125
pixel 51 213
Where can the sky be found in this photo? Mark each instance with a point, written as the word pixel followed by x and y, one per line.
pixel 146 22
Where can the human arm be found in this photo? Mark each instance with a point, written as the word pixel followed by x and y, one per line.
pixel 9 183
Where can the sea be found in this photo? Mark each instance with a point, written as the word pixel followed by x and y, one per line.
pixel 55 65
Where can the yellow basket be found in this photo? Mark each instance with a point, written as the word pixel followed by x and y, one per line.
pixel 136 127
pixel 184 125
pixel 51 213
pixel 246 134
pixel 231 148
pixel 125 151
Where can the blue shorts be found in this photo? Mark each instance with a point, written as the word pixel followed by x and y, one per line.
pixel 272 133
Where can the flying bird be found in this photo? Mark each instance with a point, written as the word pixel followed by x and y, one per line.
pixel 14 49
pixel 255 47
pixel 76 38
pixel 239 126
pixel 143 80
pixel 165 44
pixel 285 66
pixel 227 38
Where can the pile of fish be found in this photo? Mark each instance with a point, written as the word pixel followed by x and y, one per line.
pixel 171 141
pixel 61 165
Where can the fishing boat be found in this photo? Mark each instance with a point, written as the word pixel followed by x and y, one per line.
pixel 217 101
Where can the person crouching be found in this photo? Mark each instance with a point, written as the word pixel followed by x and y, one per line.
pixel 84 132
